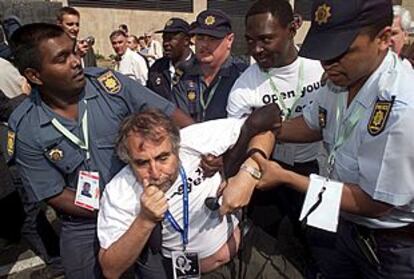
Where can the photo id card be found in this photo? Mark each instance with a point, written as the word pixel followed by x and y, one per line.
pixel 87 191
pixel 185 265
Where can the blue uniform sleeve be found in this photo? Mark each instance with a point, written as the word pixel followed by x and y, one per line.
pixel 40 179
pixel 140 98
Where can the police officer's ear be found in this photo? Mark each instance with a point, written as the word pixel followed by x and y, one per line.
pixel 384 38
pixel 33 76
pixel 229 38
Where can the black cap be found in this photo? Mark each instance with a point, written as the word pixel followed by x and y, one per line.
pixel 213 23
pixel 175 25
pixel 336 24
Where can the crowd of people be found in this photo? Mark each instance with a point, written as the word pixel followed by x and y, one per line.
pixel 182 162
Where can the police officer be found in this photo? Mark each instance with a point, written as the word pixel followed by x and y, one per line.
pixel 364 116
pixel 166 70
pixel 63 135
pixel 203 90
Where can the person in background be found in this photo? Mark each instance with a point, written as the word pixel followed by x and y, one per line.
pixel 69 19
pixel 154 48
pixel 176 44
pixel 128 62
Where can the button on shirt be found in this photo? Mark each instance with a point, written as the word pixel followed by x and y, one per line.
pixel 382 165
pixel 36 138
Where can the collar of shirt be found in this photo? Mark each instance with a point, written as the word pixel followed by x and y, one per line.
pixel 46 114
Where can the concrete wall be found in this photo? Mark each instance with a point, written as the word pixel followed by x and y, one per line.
pixel 100 22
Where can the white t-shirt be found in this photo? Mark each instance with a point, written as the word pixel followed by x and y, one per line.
pixel 207 230
pixel 133 66
pixel 253 90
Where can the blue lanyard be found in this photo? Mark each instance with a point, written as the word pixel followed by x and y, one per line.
pixel 170 218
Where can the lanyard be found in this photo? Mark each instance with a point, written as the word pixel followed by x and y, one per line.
pixel 287 111
pixel 183 231
pixel 210 96
pixel 69 135
pixel 345 128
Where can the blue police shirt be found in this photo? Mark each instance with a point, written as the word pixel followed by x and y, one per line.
pixel 191 88
pixel 48 161
pixel 378 154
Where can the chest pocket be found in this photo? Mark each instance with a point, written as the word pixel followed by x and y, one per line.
pixel 106 142
pixel 65 156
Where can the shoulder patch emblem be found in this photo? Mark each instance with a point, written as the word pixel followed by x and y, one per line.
pixel 110 82
pixel 11 137
pixel 322 117
pixel 379 117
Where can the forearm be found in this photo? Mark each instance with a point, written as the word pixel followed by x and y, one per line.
pixel 65 203
pixel 124 252
pixel 354 200
pixel 181 119
pixel 296 130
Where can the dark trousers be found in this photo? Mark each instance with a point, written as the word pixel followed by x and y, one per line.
pixel 267 208
pixel 79 247
pixel 338 255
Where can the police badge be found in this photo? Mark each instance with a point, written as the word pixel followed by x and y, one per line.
pixel 110 82
pixel 322 117
pixel 379 116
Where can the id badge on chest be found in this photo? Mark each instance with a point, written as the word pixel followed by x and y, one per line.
pixel 185 264
pixel 87 191
pixel 284 153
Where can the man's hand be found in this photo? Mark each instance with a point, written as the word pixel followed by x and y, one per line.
pixel 237 192
pixel 153 204
pixel 82 48
pixel 272 174
pixel 211 164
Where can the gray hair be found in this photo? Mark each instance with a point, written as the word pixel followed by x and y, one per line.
pixel 152 125
pixel 405 16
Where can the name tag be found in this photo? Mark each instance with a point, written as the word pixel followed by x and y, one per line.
pixel 185 265
pixel 87 191
pixel 322 203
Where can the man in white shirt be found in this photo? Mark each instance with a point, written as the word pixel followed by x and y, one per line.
pixel 154 48
pixel 280 76
pixel 165 184
pixel 129 62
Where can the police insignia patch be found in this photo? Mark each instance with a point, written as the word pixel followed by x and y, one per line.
pixel 210 20
pixel 322 117
pixel 11 137
pixel 322 14
pixel 110 82
pixel 379 117
pixel 55 154
pixel 191 95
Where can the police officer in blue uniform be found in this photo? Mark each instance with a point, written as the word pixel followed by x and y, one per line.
pixel 165 71
pixel 364 116
pixel 68 127
pixel 203 90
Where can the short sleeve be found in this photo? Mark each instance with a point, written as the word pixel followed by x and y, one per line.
pixel 386 161
pixel 40 178
pixel 238 104
pixel 214 136
pixel 119 207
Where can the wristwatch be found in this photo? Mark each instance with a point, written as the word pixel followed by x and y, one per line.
pixel 255 173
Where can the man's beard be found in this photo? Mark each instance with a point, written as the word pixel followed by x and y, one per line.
pixel 165 182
